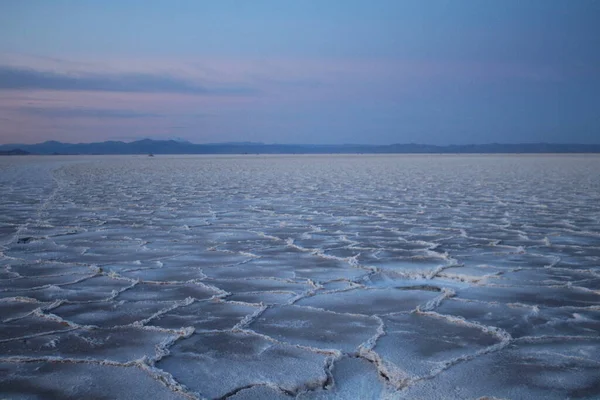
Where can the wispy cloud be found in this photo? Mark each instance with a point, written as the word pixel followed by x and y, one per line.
pixel 15 78
pixel 68 112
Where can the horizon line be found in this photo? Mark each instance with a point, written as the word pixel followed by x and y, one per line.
pixel 250 143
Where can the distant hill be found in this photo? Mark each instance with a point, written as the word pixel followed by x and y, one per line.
pixel 13 152
pixel 148 146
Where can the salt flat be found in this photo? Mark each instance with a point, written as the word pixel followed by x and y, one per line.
pixel 312 277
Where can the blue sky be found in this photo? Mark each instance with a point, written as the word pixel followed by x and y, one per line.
pixel 439 72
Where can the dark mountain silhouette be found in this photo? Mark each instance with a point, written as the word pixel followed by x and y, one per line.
pixel 13 152
pixel 148 146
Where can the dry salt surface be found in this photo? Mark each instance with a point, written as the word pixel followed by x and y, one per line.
pixel 309 277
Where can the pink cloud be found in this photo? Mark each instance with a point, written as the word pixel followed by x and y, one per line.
pixel 281 83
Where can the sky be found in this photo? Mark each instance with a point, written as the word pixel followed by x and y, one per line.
pixel 300 71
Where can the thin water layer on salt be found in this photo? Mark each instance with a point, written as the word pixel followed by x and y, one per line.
pixel 324 270
pixel 215 364
pixel 11 308
pixel 473 274
pixel 42 380
pixel 517 372
pixel 205 258
pixel 392 280
pixel 118 345
pixel 108 314
pixel 410 263
pixel 166 292
pixel 268 298
pixel 371 301
pixel 315 328
pixel 415 345
pixel 517 320
pixel 561 296
pixel 324 276
pixel 20 284
pixel 260 392
pixel 165 275
pixel 30 270
pixel 259 285
pixel 545 277
pixel 205 315
pixel 583 348
pixel 30 325
pixel 92 289
pixel 338 285
pixel 352 378
pixel 253 268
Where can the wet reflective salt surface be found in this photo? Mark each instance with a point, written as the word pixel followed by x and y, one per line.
pixel 315 277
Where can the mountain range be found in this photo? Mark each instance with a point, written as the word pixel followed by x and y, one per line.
pixel 149 146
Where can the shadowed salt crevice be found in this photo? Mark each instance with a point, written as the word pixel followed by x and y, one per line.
pixel 266 298
pixel 254 392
